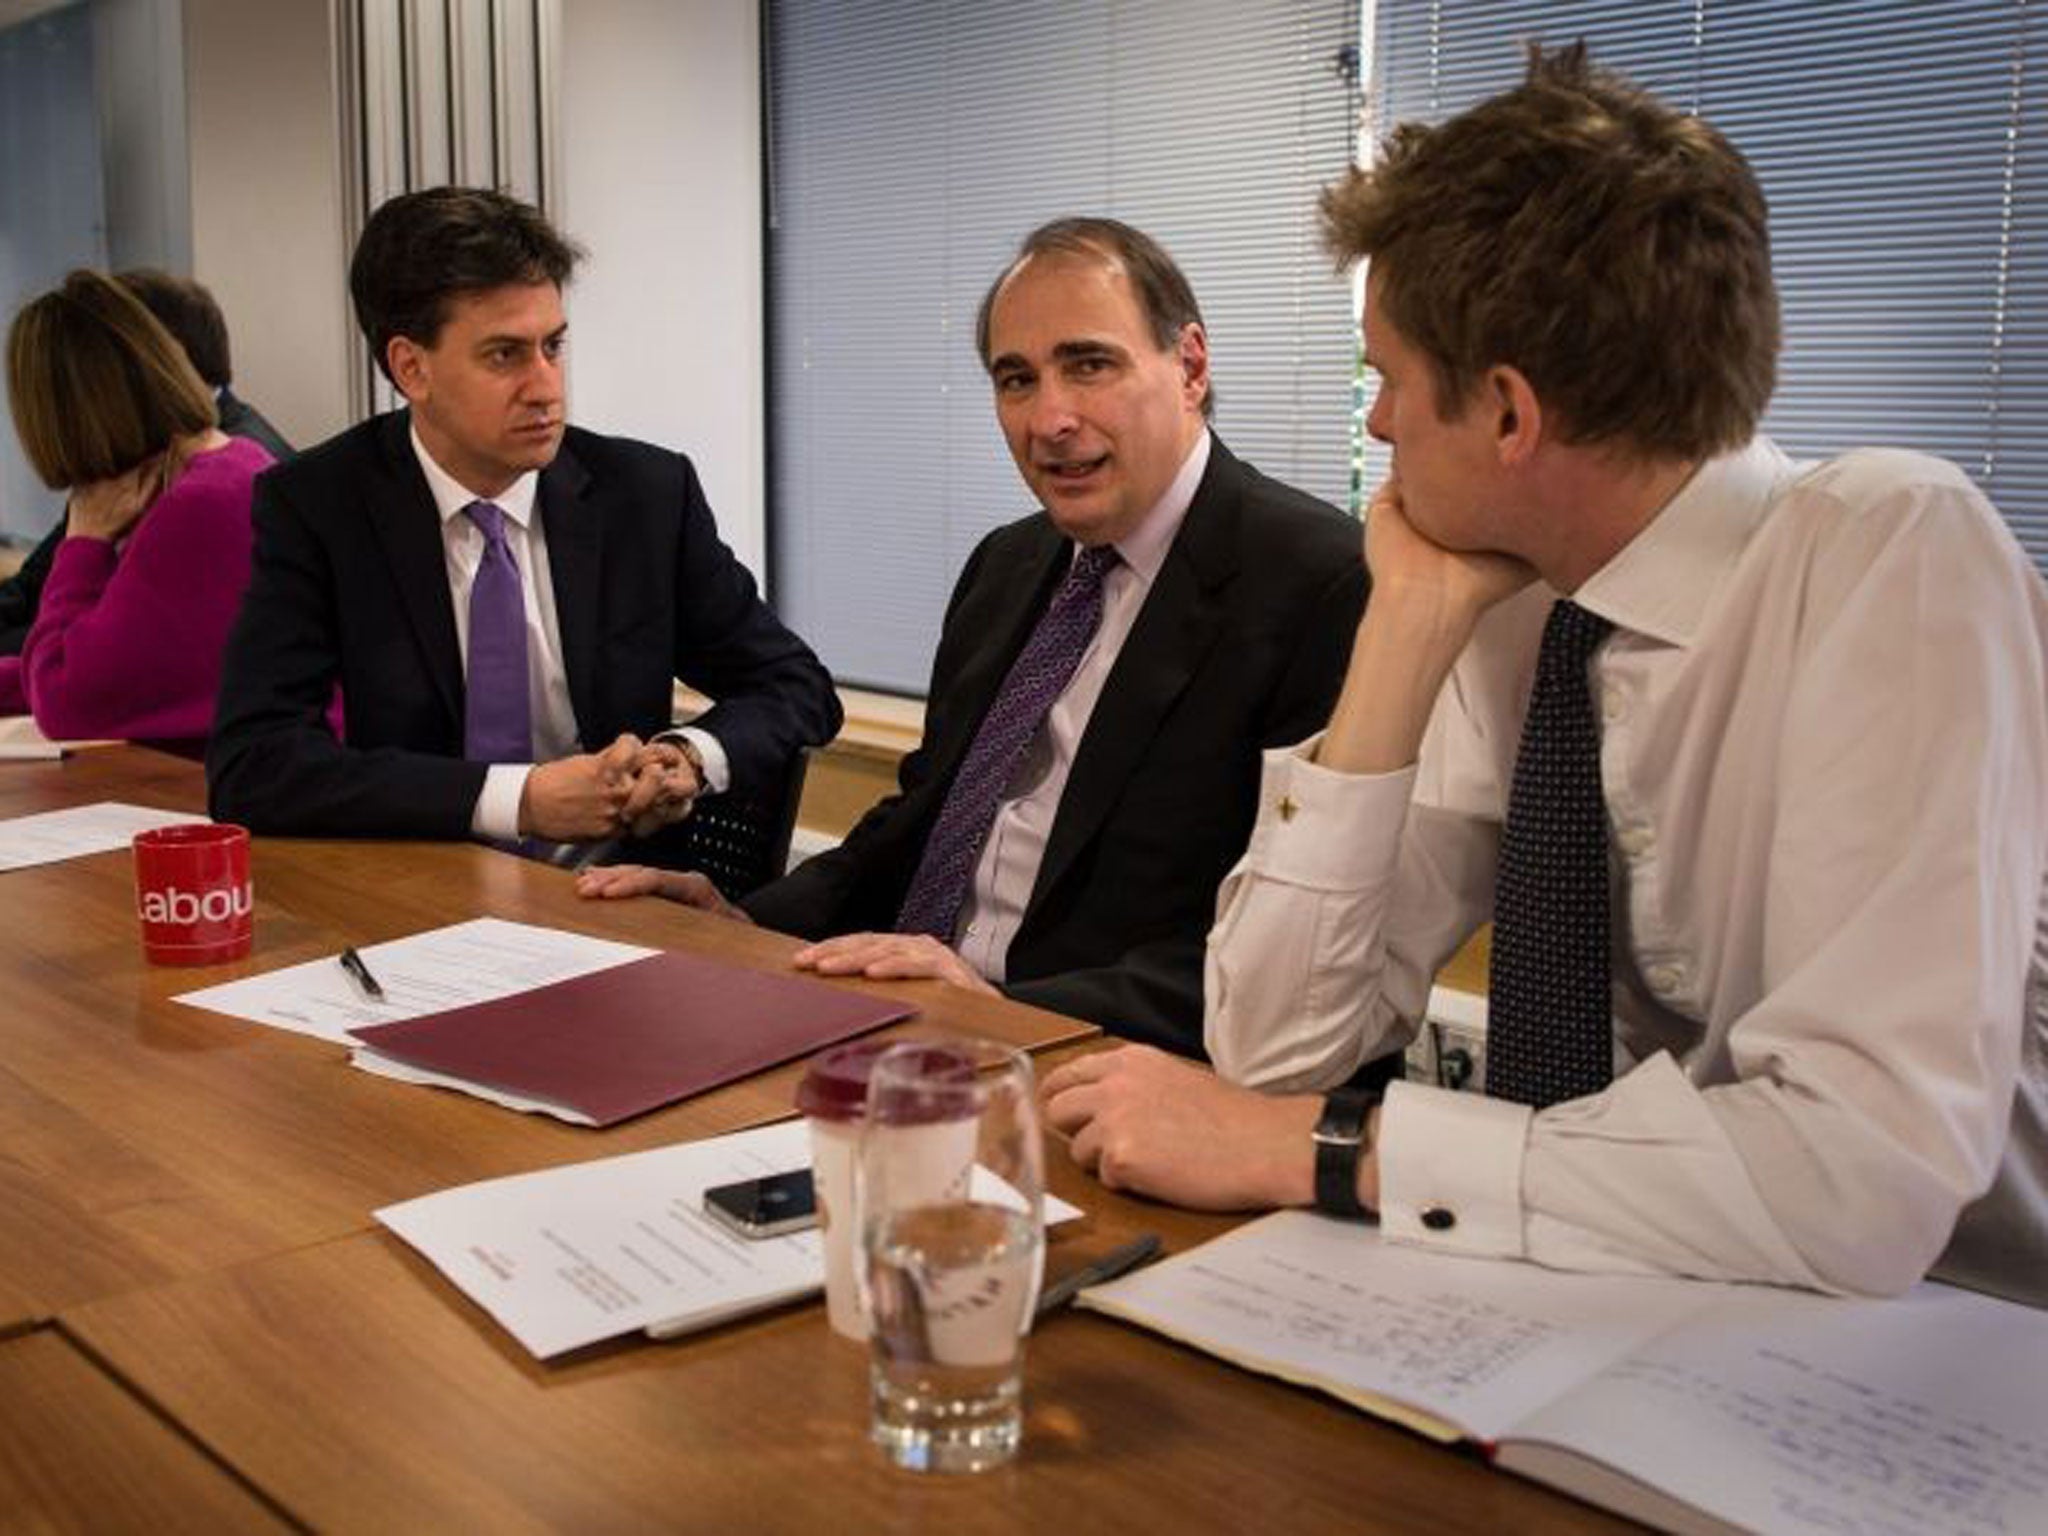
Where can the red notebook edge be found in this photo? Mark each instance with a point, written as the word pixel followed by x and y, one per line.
pixel 618 1042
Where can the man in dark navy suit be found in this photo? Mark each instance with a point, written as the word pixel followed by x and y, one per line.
pixel 505 601
pixel 1085 878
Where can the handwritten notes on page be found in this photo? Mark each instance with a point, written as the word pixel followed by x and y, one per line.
pixel 1448 1346
pixel 1690 1405
pixel 49 836
pixel 1781 1411
pixel 472 962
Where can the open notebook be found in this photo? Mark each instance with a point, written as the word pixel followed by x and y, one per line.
pixel 1693 1406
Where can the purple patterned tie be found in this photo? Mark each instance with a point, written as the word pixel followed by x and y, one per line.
pixel 1036 678
pixel 497 724
pixel 1550 1012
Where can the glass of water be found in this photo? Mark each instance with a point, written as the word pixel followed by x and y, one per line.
pixel 949 1196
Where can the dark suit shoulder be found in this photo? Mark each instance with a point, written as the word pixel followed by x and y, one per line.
pixel 339 458
pixel 238 418
pixel 1265 536
pixel 1274 507
pixel 605 456
pixel 1028 537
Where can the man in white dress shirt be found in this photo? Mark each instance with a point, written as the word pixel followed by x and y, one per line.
pixel 1816 719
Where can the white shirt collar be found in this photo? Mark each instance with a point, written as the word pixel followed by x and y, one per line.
pixel 1664 579
pixel 1144 548
pixel 451 495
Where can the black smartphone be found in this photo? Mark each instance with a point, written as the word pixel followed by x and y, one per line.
pixel 769 1207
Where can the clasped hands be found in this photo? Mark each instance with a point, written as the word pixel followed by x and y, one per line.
pixel 631 786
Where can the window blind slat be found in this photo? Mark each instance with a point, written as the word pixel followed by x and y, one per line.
pixel 1900 145
pixel 913 144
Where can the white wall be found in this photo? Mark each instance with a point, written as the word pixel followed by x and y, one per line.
pixel 266 203
pixel 52 212
pixel 660 164
pixel 660 160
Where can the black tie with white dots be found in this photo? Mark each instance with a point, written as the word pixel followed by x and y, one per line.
pixel 1550 1007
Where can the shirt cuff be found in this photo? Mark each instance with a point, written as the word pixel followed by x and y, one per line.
pixel 1450 1168
pixel 717 770
pixel 1326 830
pixel 497 806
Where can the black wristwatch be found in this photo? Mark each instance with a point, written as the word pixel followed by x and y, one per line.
pixel 1340 1144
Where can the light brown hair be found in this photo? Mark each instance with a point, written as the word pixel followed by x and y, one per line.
pixel 1612 249
pixel 96 384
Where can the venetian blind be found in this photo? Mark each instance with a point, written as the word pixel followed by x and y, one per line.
pixel 911 145
pixel 1902 147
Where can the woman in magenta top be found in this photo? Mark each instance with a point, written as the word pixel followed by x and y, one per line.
pixel 127 640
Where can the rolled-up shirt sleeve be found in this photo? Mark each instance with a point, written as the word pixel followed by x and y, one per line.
pixel 1853 921
pixel 1829 790
pixel 1331 927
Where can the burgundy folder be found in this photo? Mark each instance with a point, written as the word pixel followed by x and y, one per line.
pixel 633 1037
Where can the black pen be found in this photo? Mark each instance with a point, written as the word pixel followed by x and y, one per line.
pixel 353 964
pixel 1118 1261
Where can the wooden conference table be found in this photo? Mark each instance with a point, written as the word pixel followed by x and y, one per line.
pixel 202 1327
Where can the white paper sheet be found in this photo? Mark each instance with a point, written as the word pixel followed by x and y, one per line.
pixel 570 1256
pixel 429 972
pixel 20 741
pixel 379 1065
pixel 50 836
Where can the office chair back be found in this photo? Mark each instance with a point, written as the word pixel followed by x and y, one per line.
pixel 740 840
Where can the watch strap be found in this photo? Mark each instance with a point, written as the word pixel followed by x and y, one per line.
pixel 1340 1142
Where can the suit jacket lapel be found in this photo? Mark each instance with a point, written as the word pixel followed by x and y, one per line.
pixel 1172 636
pixel 408 526
pixel 575 533
pixel 1008 625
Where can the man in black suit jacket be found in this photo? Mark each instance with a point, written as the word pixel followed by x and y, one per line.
pixel 369 550
pixel 192 317
pixel 1097 882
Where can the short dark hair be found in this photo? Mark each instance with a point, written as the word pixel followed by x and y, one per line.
pixel 185 309
pixel 1613 249
pixel 96 384
pixel 419 250
pixel 1162 288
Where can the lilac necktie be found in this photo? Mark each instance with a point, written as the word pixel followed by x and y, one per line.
pixel 1036 678
pixel 497 722
pixel 1550 1011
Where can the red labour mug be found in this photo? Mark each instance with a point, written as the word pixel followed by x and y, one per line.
pixel 194 895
